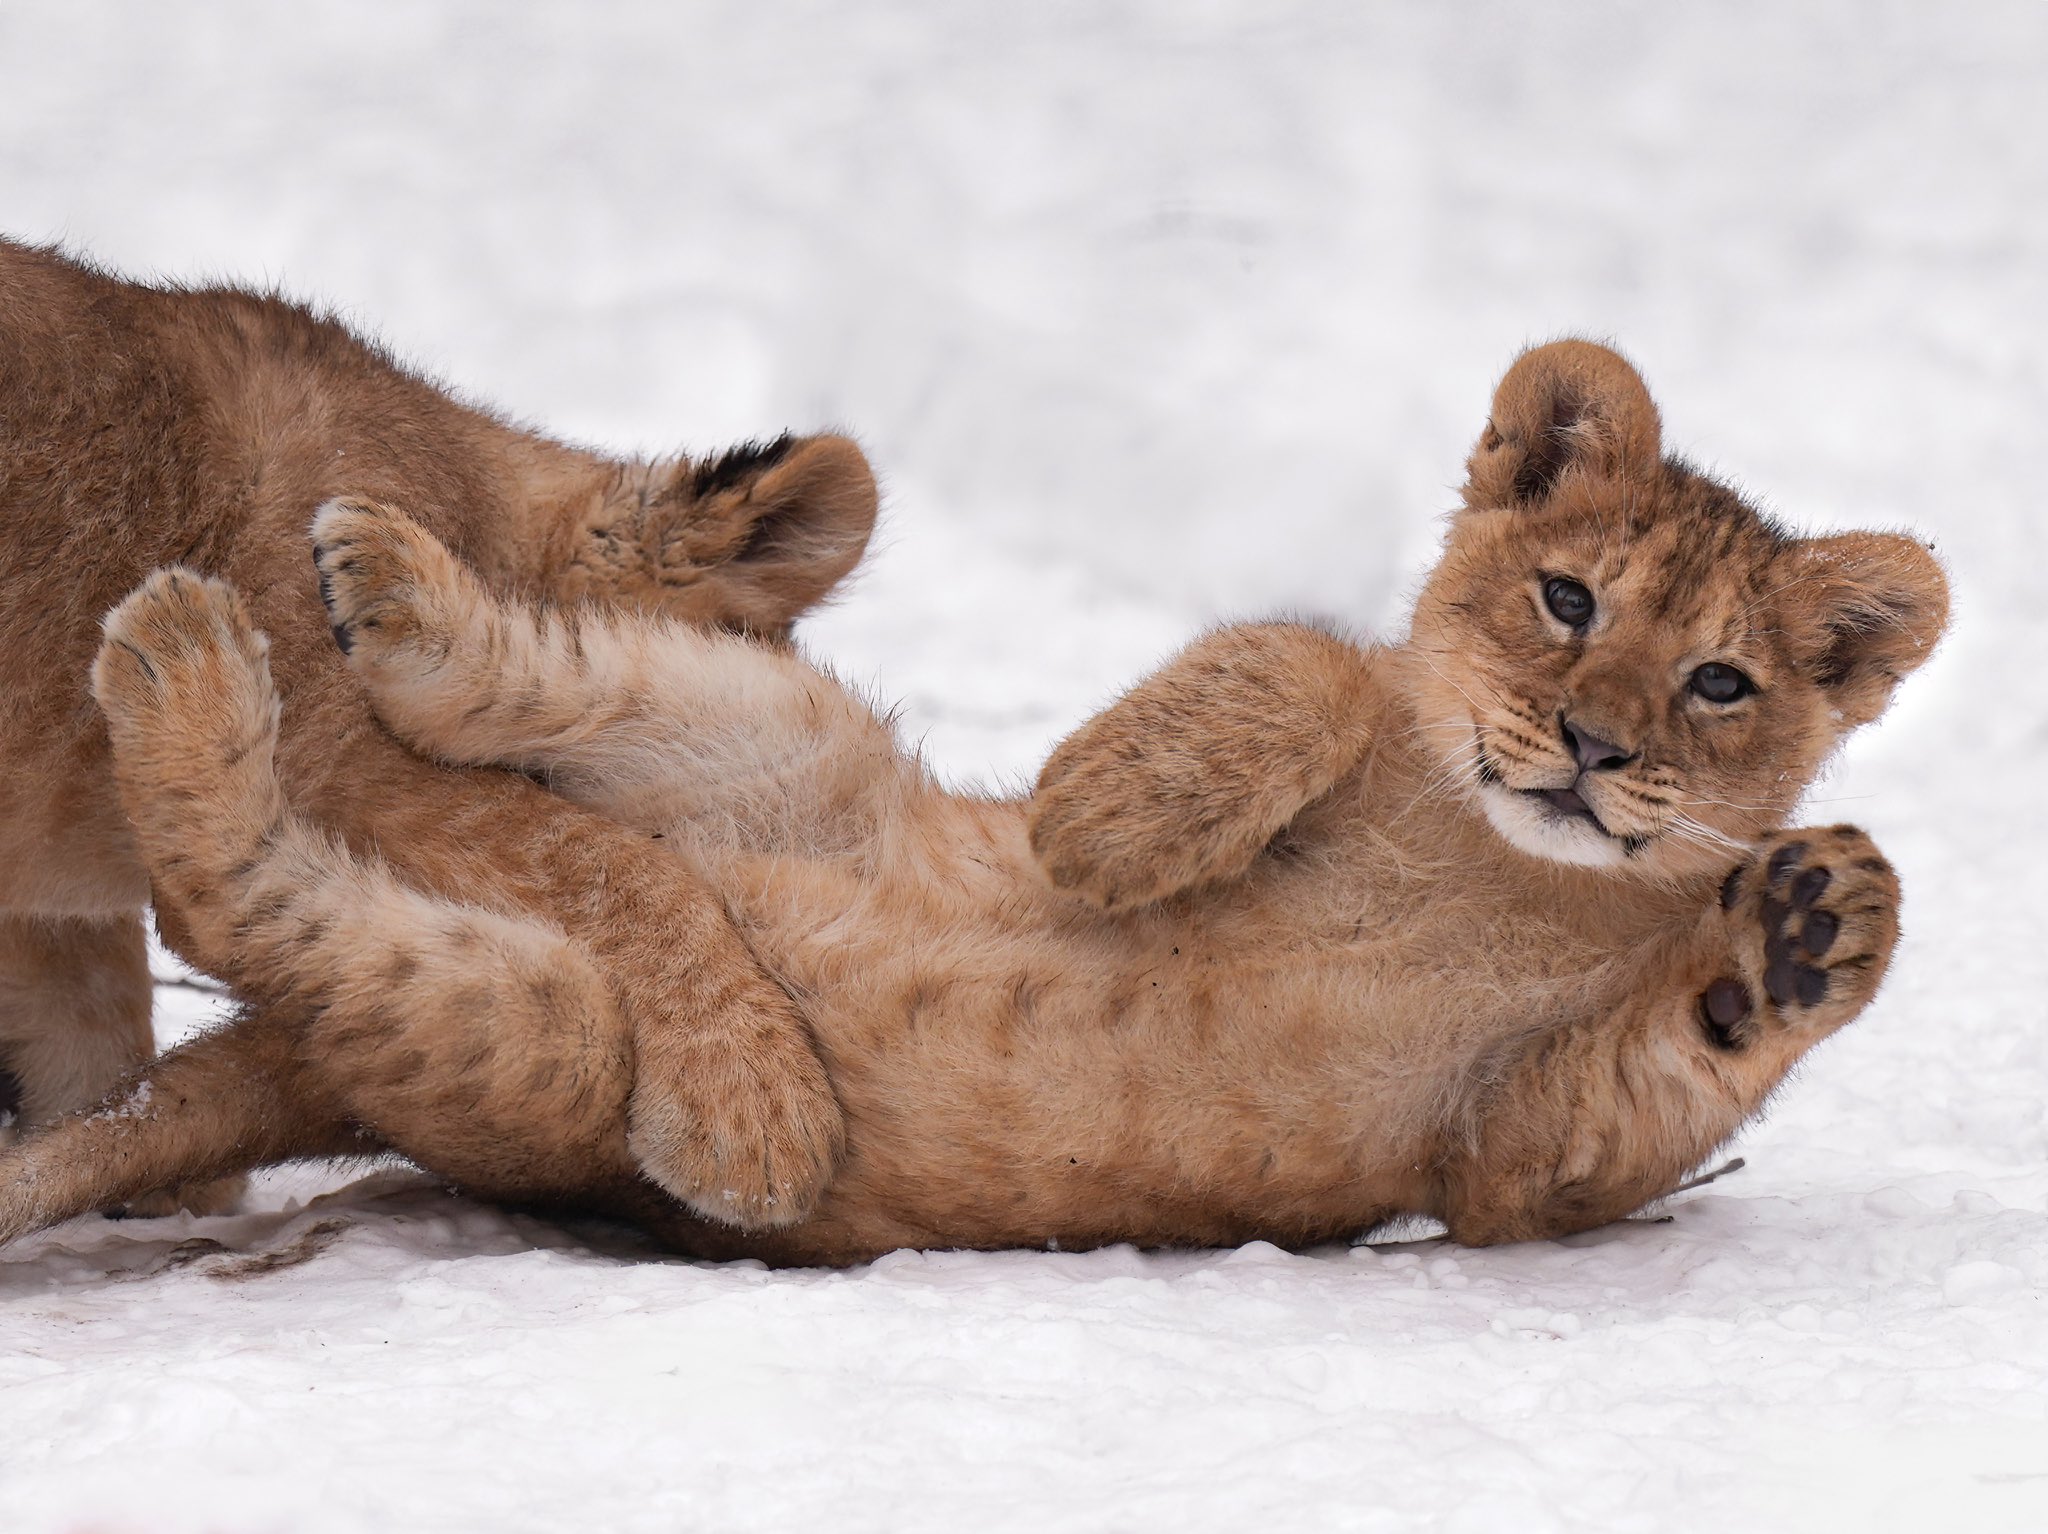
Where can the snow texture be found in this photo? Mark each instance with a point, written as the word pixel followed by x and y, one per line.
pixel 1153 314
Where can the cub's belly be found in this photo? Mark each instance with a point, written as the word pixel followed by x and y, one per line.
pixel 1016 1070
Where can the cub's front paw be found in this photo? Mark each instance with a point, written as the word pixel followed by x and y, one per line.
pixel 1088 846
pixel 1812 918
pixel 183 678
pixel 1115 820
pixel 390 587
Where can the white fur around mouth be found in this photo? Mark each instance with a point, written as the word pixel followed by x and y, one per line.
pixel 1544 830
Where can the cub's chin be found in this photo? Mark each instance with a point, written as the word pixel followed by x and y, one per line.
pixel 1539 824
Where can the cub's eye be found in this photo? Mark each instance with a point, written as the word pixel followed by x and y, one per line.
pixel 1568 601
pixel 1721 684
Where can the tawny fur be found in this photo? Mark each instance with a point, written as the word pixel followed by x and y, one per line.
pixel 142 427
pixel 1283 946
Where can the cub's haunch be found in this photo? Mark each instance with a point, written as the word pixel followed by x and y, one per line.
pixel 1500 923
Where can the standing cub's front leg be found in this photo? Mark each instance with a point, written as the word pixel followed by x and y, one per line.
pixel 1593 1118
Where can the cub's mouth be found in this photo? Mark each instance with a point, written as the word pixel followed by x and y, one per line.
pixel 1565 804
pixel 1557 824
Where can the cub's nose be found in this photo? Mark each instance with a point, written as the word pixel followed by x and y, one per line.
pixel 1593 753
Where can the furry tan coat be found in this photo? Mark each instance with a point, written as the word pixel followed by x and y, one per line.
pixel 1497 924
pixel 146 426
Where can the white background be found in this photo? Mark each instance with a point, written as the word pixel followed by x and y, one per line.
pixel 1150 315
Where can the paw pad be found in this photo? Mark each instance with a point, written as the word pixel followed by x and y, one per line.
pixel 1726 1005
pixel 1795 935
pixel 1783 861
pixel 1813 919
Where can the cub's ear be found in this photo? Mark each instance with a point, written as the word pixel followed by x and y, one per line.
pixel 1568 407
pixel 1864 609
pixel 791 518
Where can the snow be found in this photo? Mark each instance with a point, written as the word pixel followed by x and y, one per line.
pixel 1152 314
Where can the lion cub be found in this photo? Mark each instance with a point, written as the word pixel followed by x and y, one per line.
pixel 143 426
pixel 1496 924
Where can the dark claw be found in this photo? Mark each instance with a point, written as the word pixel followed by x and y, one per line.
pixel 1783 859
pixel 143 661
pixel 1818 935
pixel 346 640
pixel 1731 887
pixel 1810 886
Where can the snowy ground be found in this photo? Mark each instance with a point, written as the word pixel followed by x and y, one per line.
pixel 1152 314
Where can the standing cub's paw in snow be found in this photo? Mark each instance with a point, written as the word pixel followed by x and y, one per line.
pixel 1499 924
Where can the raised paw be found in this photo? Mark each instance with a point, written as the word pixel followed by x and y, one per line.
pixel 1113 821
pixel 389 586
pixel 184 680
pixel 1812 918
pixel 1088 849
pixel 743 1129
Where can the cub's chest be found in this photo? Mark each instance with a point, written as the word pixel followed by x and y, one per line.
pixel 1412 906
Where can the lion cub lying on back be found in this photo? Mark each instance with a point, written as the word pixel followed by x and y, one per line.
pixel 1495 924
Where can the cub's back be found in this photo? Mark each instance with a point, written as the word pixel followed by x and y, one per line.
pixel 144 426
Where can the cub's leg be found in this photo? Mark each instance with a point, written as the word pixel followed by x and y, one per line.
pixel 74 1009
pixel 1185 778
pixel 482 1045
pixel 1593 1121
pixel 225 1103
pixel 661 726
pixel 75 1001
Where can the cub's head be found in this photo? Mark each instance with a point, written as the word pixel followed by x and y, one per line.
pixel 1630 664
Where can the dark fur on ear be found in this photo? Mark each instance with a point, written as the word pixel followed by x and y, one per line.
pixel 1873 606
pixel 1569 407
pixel 797 514
pixel 737 465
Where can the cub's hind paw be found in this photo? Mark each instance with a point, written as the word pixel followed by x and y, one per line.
pixel 183 676
pixel 744 1132
pixel 1812 918
pixel 386 581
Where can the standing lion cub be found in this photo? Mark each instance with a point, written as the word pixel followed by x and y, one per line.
pixel 1497 924
pixel 146 426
